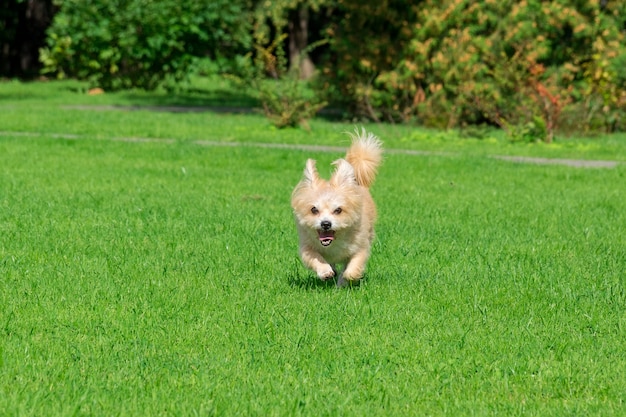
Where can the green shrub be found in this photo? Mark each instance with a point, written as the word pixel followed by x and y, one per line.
pixel 444 63
pixel 287 100
pixel 459 62
pixel 602 103
pixel 366 41
pixel 512 63
pixel 138 43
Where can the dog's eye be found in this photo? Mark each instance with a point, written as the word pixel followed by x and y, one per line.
pixel 314 210
pixel 338 210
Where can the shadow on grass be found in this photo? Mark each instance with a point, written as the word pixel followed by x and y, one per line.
pixel 211 95
pixel 206 93
pixel 311 282
pixel 218 100
pixel 8 97
pixel 193 97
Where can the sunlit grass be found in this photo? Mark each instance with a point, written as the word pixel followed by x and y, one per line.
pixel 66 108
pixel 161 277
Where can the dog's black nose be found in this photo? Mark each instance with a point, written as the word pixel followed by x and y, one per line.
pixel 326 224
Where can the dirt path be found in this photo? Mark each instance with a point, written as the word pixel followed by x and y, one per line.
pixel 576 163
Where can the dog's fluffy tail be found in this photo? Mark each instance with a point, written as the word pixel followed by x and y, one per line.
pixel 365 155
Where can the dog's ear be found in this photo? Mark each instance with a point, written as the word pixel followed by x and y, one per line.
pixel 344 174
pixel 310 172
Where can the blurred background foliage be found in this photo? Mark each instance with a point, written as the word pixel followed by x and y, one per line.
pixel 531 67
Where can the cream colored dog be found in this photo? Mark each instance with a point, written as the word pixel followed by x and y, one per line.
pixel 335 218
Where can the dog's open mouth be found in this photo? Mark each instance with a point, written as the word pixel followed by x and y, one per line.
pixel 326 236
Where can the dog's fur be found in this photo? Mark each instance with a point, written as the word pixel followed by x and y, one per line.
pixel 335 218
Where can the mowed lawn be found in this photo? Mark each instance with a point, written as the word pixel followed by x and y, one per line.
pixel 161 276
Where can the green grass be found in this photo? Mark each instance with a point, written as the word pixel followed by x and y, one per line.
pixel 65 108
pixel 162 278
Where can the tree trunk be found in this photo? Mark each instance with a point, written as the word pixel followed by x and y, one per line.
pixel 24 26
pixel 298 42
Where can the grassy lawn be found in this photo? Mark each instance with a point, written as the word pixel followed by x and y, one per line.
pixel 162 278
pixel 65 108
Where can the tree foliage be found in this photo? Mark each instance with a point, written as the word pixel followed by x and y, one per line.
pixel 367 40
pixel 532 67
pixel 271 19
pixel 140 43
pixel 512 63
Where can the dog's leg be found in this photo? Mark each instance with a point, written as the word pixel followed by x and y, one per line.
pixel 354 269
pixel 313 260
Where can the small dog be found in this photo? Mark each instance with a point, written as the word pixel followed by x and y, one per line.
pixel 335 219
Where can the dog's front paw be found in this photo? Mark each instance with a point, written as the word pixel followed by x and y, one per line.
pixel 352 274
pixel 325 272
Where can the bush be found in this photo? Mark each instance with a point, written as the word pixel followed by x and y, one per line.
pixel 287 100
pixel 515 63
pixel 140 43
pixel 366 40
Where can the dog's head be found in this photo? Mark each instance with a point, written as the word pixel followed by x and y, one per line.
pixel 326 208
